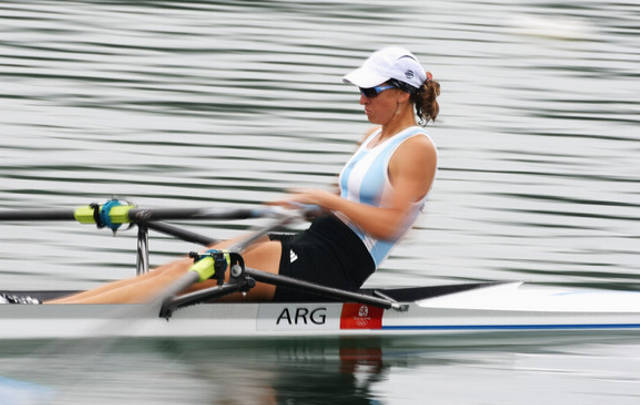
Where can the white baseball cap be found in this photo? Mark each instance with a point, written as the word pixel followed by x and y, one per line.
pixel 392 62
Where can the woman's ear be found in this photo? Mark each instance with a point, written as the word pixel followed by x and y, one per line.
pixel 404 97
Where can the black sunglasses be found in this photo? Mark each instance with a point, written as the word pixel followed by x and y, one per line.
pixel 371 92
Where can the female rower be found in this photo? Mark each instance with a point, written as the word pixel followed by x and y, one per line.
pixel 383 187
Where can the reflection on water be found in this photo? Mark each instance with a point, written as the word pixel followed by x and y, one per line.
pixel 232 103
pixel 318 372
pixel 220 372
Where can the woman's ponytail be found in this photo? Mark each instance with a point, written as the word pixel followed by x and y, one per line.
pixel 424 99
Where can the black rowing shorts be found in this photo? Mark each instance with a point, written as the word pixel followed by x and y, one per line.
pixel 328 253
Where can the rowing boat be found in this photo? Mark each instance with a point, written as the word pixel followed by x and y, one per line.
pixel 449 309
pixel 416 311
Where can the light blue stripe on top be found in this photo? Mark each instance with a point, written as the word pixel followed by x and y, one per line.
pixel 348 168
pixel 371 184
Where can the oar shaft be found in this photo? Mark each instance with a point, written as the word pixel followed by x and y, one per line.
pixel 255 236
pixel 180 233
pixel 182 283
pixel 163 214
pixel 37 215
pixel 125 214
pixel 193 237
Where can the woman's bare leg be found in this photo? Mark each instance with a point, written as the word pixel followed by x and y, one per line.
pixel 130 281
pixel 115 284
pixel 264 255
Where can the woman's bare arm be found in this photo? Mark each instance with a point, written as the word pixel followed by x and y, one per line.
pixel 411 171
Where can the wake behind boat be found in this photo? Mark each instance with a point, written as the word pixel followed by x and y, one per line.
pixel 416 311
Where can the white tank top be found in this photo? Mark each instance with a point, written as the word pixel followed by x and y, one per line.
pixel 365 179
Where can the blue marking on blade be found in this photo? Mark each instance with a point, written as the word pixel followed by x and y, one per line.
pixel 515 327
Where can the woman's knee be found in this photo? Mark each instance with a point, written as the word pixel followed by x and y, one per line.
pixel 265 256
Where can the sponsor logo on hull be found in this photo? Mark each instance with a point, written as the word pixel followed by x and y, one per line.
pixel 360 316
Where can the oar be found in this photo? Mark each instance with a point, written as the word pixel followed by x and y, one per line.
pixel 37 215
pixel 124 213
pixel 305 211
pixel 180 233
pixel 204 269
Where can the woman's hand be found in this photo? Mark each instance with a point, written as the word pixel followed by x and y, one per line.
pixel 302 197
pixel 313 202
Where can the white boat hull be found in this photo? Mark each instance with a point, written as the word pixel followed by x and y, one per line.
pixel 511 307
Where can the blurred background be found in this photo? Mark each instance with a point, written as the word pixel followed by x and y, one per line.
pixel 186 104
pixel 232 103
